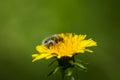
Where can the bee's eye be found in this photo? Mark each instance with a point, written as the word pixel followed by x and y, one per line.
pixel 60 39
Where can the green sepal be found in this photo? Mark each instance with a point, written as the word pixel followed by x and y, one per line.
pixel 54 71
pixel 69 72
pixel 80 61
pixel 51 63
pixel 80 66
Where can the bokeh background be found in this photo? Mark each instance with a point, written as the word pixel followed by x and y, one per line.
pixel 25 23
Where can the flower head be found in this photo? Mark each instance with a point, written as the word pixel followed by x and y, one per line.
pixel 63 45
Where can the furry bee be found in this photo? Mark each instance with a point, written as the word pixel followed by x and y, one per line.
pixel 52 40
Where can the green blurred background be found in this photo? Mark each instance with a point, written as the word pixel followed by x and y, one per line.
pixel 24 23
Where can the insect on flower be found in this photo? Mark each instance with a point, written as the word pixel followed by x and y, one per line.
pixel 54 39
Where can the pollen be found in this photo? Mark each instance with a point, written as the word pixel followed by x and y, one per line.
pixel 72 44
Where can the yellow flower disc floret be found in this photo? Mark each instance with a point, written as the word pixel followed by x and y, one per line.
pixel 72 44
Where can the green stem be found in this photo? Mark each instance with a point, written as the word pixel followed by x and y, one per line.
pixel 64 77
pixel 69 78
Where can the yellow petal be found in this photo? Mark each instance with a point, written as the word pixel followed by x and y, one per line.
pixel 41 49
pixel 88 43
pixel 49 56
pixel 38 56
pixel 88 50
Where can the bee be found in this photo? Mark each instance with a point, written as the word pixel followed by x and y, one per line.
pixel 50 41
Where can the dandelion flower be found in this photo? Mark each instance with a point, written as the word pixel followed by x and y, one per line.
pixel 68 45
